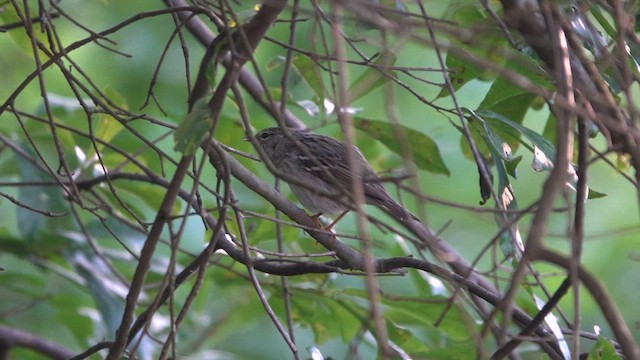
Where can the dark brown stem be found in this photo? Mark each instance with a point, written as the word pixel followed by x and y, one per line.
pixel 254 31
pixel 12 338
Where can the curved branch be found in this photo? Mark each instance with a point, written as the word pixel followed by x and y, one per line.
pixel 616 321
pixel 293 268
pixel 354 259
pixel 10 338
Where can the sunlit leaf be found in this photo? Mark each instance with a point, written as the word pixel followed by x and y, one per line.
pixel 113 160
pixel 8 15
pixel 107 127
pixel 540 161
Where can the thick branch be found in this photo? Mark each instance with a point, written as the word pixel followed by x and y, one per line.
pixel 529 19
pixel 526 16
pixel 354 259
pixel 293 268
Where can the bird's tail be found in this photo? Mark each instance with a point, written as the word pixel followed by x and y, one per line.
pixel 396 210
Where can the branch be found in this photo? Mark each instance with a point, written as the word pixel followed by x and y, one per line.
pixel 541 29
pixel 10 338
pixel 354 259
pixel 527 17
pixel 293 268
pixel 255 31
pixel 249 82
pixel 604 300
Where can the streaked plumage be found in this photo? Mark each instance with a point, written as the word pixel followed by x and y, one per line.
pixel 326 171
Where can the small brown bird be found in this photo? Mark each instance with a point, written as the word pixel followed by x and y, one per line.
pixel 327 171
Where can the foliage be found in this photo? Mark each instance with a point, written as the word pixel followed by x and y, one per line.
pixel 122 158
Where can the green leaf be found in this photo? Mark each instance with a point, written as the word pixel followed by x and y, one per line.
pixel 512 103
pixel 112 160
pixel 406 340
pixel 148 194
pixel 69 305
pixel 603 21
pixel 485 183
pixel 550 129
pixel 346 315
pixel 456 325
pixel 220 44
pixel 101 287
pixel 500 97
pixel 133 204
pixel 374 76
pixel 426 154
pixel 412 325
pixel 603 349
pixel 310 72
pixel 545 145
pixel 194 129
pixel 19 247
pixel 595 194
pixel 467 349
pixel 8 15
pixel 511 166
pixel 46 198
pixel 476 128
pixel 508 198
pixel 496 144
pixel 106 127
pixel 460 73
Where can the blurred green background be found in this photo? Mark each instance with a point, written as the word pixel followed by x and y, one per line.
pixel 41 293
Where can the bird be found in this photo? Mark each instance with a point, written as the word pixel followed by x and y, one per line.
pixel 317 170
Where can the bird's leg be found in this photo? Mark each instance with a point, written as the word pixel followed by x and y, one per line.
pixel 316 219
pixel 336 220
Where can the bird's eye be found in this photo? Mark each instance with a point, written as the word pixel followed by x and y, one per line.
pixel 263 135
